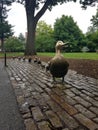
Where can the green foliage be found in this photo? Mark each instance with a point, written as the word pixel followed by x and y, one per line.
pixel 51 3
pixel 5 27
pixel 22 38
pixel 94 23
pixel 92 34
pixel 86 3
pixel 93 41
pixel 66 29
pixel 44 37
pixel 13 44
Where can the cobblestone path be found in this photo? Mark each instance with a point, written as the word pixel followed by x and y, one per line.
pixel 48 106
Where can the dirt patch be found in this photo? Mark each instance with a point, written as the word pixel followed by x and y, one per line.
pixel 82 66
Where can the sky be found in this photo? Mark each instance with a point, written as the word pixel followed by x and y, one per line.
pixel 17 16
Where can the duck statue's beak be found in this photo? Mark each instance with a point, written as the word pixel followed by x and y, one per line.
pixel 65 44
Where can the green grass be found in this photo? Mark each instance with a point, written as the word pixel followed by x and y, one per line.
pixel 92 56
pixel 10 54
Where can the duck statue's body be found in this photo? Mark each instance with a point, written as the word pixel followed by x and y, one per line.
pixel 58 65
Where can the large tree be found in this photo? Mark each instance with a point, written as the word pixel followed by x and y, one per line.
pixel 67 30
pixel 92 34
pixel 44 37
pixel 94 23
pixel 5 27
pixel 34 11
pixel 14 44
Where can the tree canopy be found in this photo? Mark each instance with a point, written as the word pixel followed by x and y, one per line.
pixel 14 44
pixel 92 34
pixel 94 21
pixel 66 29
pixel 5 27
pixel 44 37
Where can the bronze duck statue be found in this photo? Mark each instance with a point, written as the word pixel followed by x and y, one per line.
pixel 58 66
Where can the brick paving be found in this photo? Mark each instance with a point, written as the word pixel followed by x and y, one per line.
pixel 45 105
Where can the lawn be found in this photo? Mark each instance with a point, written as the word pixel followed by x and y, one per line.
pixel 10 54
pixel 92 56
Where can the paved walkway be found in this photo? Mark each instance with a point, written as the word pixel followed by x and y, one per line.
pixel 10 118
pixel 47 106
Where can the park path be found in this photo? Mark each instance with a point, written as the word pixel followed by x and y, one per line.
pixel 48 106
pixel 10 117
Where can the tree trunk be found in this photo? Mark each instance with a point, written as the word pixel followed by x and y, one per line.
pixel 30 43
pixel 32 20
pixel 31 28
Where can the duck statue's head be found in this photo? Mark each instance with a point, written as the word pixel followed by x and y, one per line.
pixel 60 45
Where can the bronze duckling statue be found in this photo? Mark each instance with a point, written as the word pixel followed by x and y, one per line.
pixel 58 66
pixel 29 59
pixel 39 61
pixel 35 60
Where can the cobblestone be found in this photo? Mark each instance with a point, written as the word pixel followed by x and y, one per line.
pixel 30 124
pixel 85 111
pixel 55 121
pixel 48 106
pixel 43 125
pixel 37 114
pixel 86 122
